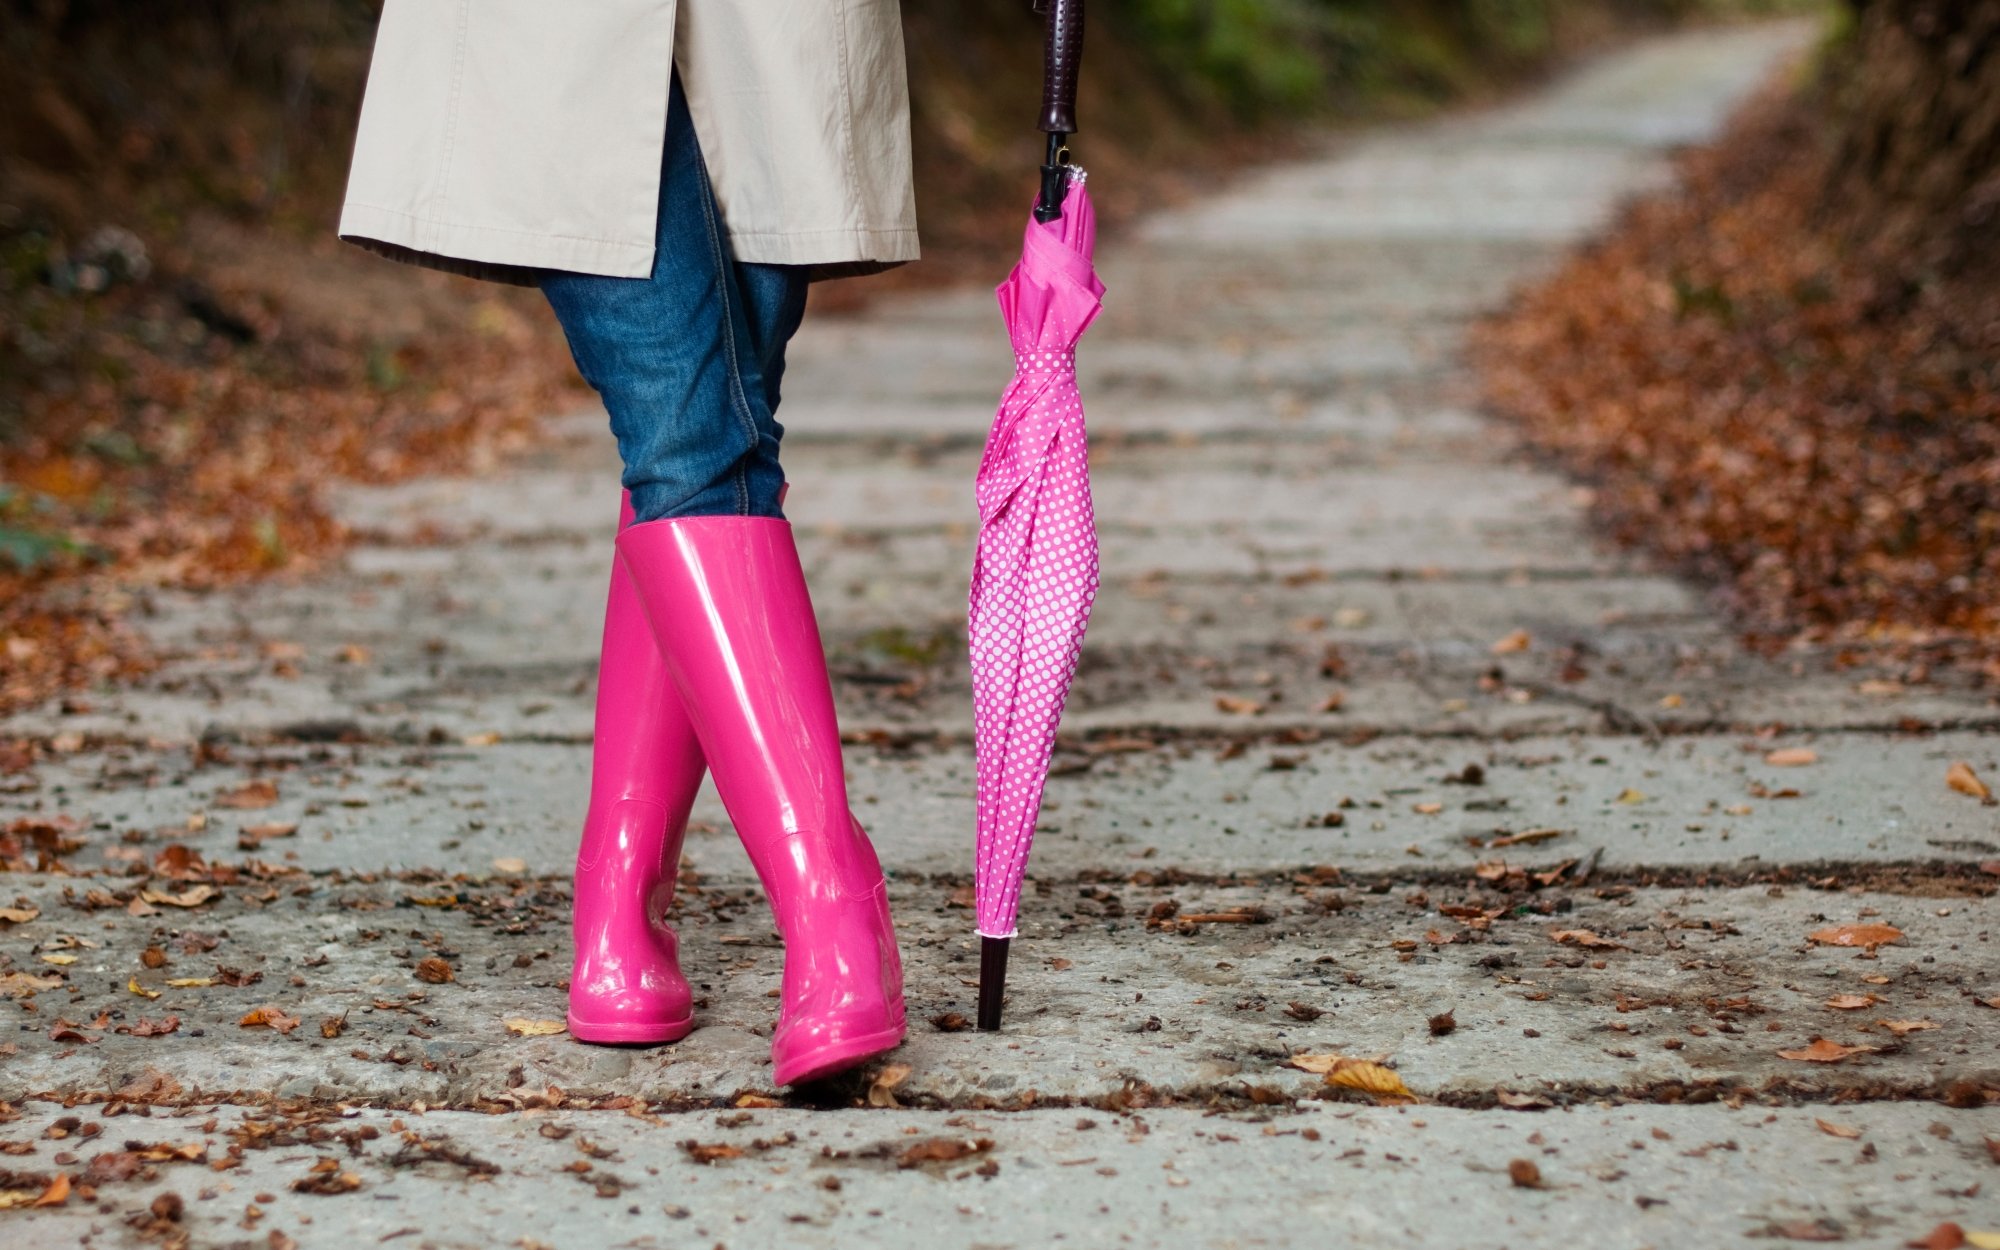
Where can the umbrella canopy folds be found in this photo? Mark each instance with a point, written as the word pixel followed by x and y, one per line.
pixel 1035 575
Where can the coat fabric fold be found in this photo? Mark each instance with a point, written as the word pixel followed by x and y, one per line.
pixel 499 137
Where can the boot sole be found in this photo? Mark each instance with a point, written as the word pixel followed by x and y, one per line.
pixel 630 1033
pixel 841 1056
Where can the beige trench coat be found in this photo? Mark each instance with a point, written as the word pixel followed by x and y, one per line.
pixel 501 136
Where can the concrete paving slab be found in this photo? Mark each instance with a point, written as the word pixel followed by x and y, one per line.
pixel 1667 1177
pixel 1396 805
pixel 1665 988
pixel 1547 168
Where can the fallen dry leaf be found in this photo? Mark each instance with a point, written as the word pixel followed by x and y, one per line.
pixel 133 986
pixel 326 1178
pixel 1628 796
pixel 56 1194
pixel 521 1026
pixel 1868 936
pixel 510 865
pixel 1525 836
pixel 942 1150
pixel 1514 642
pixel 1824 1050
pixel 1371 1078
pixel 1584 937
pixel 1236 705
pixel 269 1017
pixel 708 1153
pixel 882 1090
pixel 15 1197
pixel 23 984
pixel 1961 778
pixel 1852 1002
pixel 18 915
pixel 1837 1130
pixel 253 836
pixel 151 1085
pixel 1792 757
pixel 1804 1230
pixel 1903 1028
pixel 1946 1236
pixel 249 796
pixel 193 896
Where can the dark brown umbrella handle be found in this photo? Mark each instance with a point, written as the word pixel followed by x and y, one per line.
pixel 1062 56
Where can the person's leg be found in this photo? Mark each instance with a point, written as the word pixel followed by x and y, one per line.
pixel 688 363
pixel 645 767
pixel 677 357
pixel 727 600
pixel 641 343
pixel 774 303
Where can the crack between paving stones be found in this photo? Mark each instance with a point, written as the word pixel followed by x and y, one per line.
pixel 1923 878
pixel 896 741
pixel 1248 1094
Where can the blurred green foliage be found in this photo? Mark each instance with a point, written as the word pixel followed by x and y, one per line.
pixel 29 541
pixel 1264 58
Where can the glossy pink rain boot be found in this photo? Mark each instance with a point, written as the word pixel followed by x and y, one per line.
pixel 728 604
pixel 645 766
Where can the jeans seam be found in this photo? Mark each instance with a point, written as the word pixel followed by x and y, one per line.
pixel 741 400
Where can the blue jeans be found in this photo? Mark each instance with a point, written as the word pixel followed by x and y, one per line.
pixel 688 360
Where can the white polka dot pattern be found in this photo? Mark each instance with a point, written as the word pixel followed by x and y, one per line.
pixel 1035 574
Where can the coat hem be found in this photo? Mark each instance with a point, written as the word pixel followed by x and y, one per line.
pixel 824 247
pixel 489 252
pixel 498 254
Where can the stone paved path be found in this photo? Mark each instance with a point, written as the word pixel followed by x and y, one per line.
pixel 1299 501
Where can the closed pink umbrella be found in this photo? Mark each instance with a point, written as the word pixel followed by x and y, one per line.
pixel 1035 574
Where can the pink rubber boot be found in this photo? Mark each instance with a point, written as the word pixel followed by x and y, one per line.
pixel 645 766
pixel 728 604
